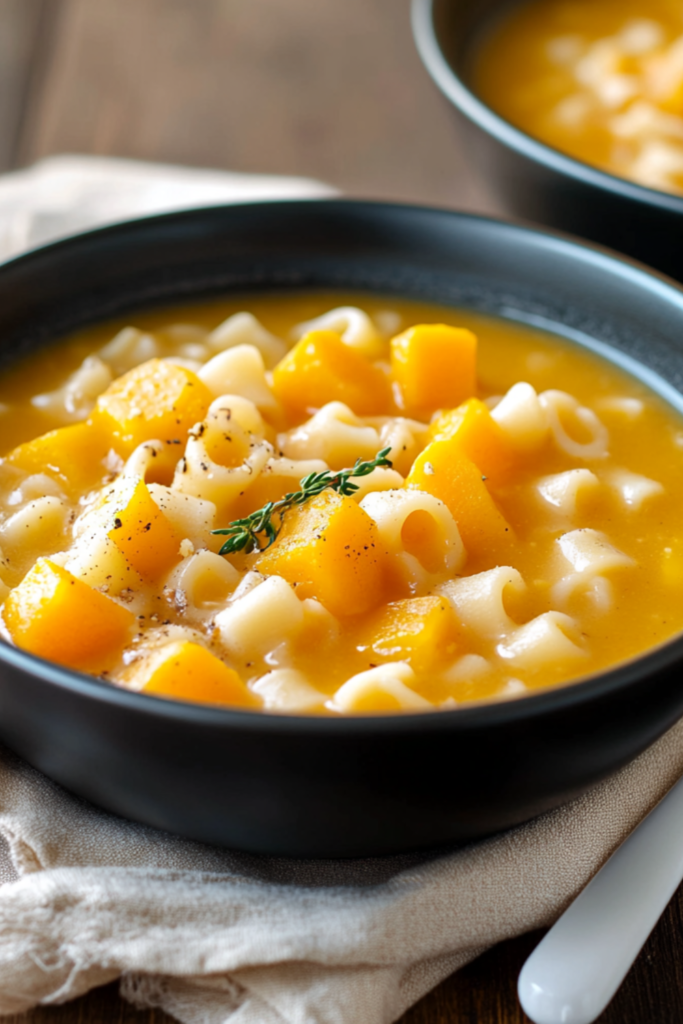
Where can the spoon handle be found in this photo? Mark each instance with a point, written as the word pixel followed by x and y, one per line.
pixel 579 965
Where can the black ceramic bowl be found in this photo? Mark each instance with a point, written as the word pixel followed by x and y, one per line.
pixel 327 786
pixel 533 180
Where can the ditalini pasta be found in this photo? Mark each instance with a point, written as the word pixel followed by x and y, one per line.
pixel 473 509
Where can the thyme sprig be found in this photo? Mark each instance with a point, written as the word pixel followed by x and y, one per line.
pixel 266 523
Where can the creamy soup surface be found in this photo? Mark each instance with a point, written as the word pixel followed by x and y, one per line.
pixel 601 80
pixel 520 529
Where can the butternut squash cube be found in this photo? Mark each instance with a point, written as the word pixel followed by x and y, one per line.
pixel 434 366
pixel 475 433
pixel 142 533
pixel 422 631
pixel 186 671
pixel 154 401
pixel 57 616
pixel 444 471
pixel 321 368
pixel 330 547
pixel 73 456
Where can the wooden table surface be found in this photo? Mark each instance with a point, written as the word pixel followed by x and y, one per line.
pixel 325 88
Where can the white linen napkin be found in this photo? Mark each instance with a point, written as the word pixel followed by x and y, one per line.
pixel 220 937
pixel 65 194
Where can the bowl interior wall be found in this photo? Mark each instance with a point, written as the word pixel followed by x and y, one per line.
pixel 465 261
pixel 460 25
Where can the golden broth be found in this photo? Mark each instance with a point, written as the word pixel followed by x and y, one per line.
pixel 639 606
pixel 601 80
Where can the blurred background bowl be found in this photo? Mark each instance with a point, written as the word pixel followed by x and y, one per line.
pixel 532 180
pixel 329 786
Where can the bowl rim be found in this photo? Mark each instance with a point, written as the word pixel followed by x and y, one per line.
pixel 454 88
pixel 534 704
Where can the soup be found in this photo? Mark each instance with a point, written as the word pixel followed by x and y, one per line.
pixel 600 80
pixel 335 504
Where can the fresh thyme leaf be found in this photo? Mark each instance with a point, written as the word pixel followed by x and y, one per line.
pixel 245 534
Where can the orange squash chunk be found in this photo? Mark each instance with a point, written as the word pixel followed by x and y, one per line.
pixel 434 366
pixel 475 433
pixel 155 401
pixel 73 456
pixel 321 368
pixel 420 630
pixel 331 548
pixel 446 473
pixel 143 534
pixel 187 671
pixel 57 616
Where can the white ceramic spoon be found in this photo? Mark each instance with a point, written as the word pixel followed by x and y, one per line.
pixel 579 965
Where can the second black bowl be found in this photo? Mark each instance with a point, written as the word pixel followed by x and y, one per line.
pixel 533 180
